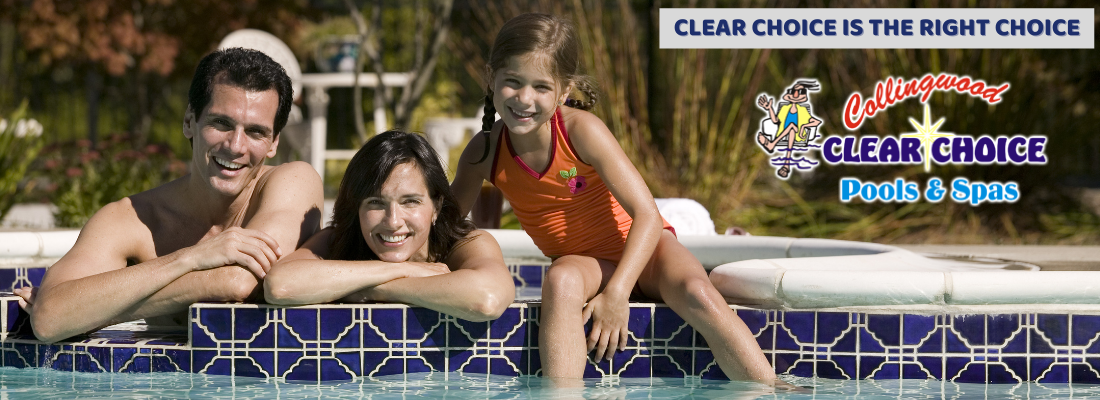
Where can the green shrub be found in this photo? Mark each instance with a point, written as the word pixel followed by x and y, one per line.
pixel 82 178
pixel 20 142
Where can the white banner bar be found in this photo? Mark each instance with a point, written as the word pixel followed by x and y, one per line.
pixel 877 28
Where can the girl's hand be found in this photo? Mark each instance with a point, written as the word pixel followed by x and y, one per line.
pixel 609 314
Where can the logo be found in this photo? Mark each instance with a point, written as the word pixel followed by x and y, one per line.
pixel 790 131
pixel 790 128
pixel 928 145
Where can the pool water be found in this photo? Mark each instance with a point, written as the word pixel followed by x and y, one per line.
pixel 40 383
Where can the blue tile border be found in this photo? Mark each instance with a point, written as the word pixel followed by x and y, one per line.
pixel 343 341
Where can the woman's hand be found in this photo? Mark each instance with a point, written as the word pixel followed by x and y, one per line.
pixel 410 269
pixel 425 269
pixel 609 314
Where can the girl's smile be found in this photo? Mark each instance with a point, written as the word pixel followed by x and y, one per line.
pixel 526 94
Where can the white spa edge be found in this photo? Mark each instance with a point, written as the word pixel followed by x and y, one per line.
pixel 783 273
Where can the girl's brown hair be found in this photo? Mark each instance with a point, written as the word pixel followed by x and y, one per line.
pixel 546 34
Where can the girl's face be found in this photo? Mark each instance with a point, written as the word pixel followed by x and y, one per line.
pixel 525 94
pixel 396 222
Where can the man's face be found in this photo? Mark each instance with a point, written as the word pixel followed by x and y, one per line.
pixel 232 137
pixel 796 94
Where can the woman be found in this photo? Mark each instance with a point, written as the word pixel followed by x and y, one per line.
pixel 397 236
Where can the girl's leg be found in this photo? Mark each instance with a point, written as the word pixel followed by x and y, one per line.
pixel 569 283
pixel 674 276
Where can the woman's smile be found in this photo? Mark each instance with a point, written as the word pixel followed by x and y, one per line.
pixel 396 222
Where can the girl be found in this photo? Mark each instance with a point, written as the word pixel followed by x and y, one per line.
pixel 587 208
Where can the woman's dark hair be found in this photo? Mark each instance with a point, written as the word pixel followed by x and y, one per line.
pixel 546 34
pixel 366 174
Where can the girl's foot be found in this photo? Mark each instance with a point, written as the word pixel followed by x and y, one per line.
pixel 783 172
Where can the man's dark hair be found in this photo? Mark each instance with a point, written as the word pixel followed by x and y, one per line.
pixel 809 85
pixel 244 68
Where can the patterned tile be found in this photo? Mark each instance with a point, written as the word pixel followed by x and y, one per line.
pixel 341 342
pixel 12 277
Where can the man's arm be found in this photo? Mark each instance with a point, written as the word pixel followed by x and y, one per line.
pixel 286 207
pixel 766 102
pixel 94 288
pixel 91 286
pixel 479 288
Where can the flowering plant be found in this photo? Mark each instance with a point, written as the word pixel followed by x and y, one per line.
pixel 82 178
pixel 20 142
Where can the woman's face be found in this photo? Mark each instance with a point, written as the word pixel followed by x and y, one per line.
pixel 396 222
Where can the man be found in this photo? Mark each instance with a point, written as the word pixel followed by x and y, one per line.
pixel 208 236
pixel 793 120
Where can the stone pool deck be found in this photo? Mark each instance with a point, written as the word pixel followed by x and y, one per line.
pixel 1048 258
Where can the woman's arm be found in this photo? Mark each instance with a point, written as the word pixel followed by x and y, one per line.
pixel 305 277
pixel 479 288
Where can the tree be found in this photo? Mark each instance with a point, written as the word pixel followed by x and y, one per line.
pixel 137 45
pixel 425 57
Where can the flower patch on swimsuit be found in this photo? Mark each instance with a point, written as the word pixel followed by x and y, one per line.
pixel 576 183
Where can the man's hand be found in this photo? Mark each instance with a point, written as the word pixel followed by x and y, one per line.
pixel 249 248
pixel 26 297
pixel 764 102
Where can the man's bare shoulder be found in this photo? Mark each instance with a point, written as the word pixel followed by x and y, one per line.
pixel 161 203
pixel 115 231
pixel 120 214
pixel 137 211
pixel 287 197
pixel 295 175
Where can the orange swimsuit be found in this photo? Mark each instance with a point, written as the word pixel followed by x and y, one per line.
pixel 566 208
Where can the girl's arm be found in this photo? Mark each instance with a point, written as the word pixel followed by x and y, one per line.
pixel 595 145
pixel 610 309
pixel 479 288
pixel 305 277
pixel 473 169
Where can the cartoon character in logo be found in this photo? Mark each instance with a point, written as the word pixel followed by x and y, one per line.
pixel 793 125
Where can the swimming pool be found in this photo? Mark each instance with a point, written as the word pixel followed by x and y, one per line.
pixel 42 383
pixel 804 330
